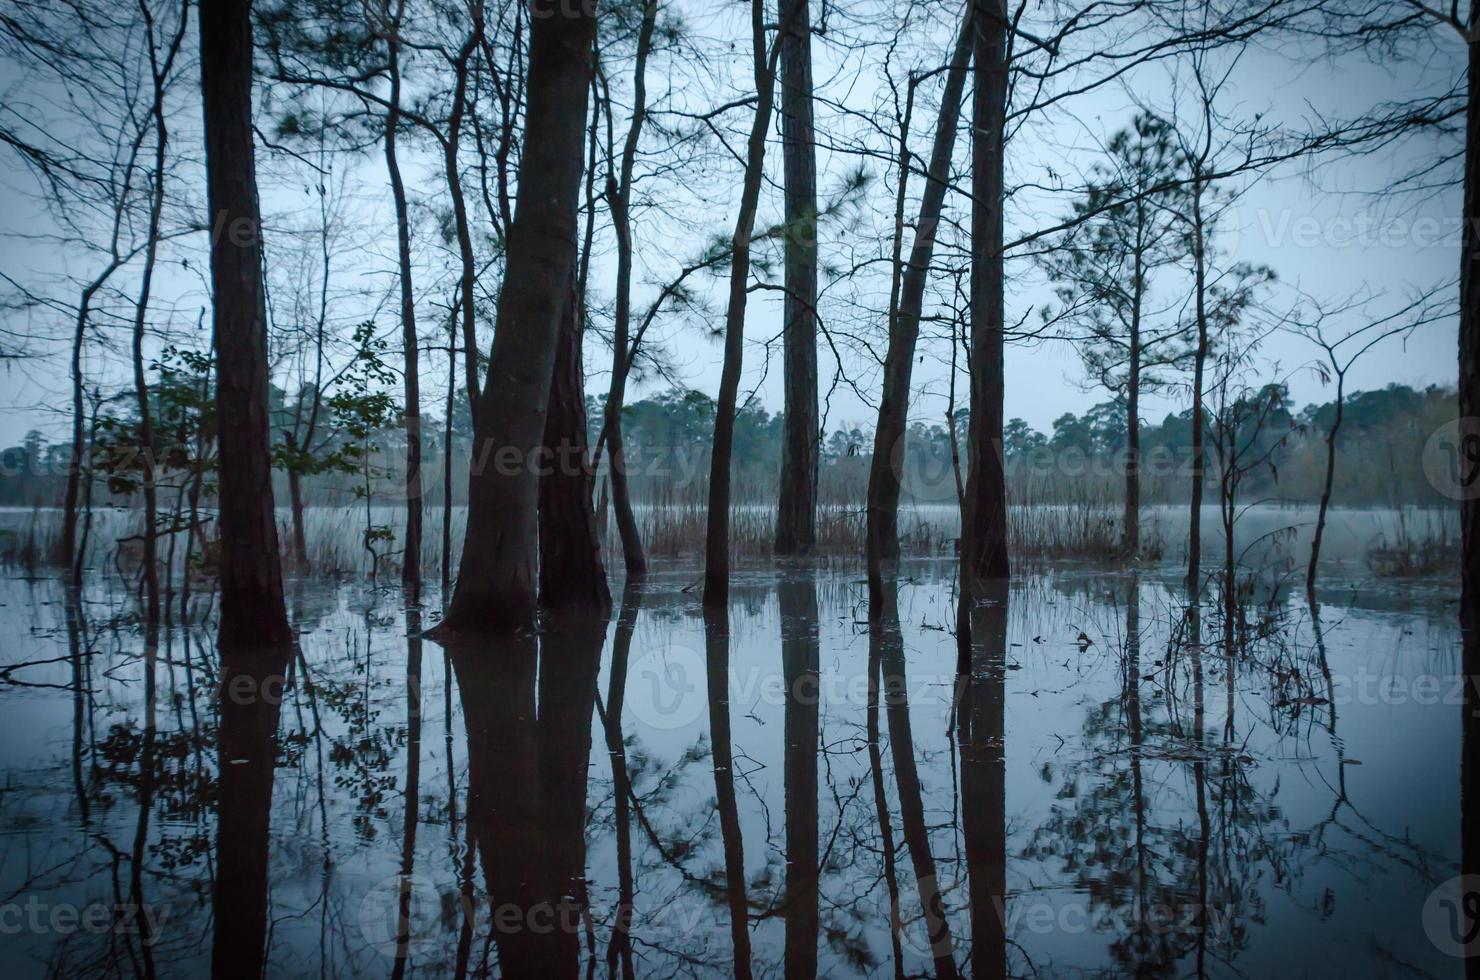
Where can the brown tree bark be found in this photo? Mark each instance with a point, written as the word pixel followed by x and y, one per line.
pixel 887 465
pixel 252 609
pixel 984 517
pixel 496 588
pixel 619 197
pixel 796 511
pixel 717 531
pixel 571 570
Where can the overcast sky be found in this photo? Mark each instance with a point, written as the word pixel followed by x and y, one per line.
pixel 1328 232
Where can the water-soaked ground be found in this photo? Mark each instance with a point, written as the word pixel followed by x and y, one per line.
pixel 1105 794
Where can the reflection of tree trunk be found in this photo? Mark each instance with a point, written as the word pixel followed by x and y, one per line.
pixel 799 668
pixel 616 747
pixel 881 799
pixel 1200 782
pixel 885 634
pixel 1131 701
pixel 496 586
pixel 251 694
pixel 413 783
pixel 531 841
pixel 984 782
pixel 571 570
pixel 984 517
pixel 146 791
pixel 78 653
pixel 796 509
pixel 251 583
pixel 886 469
pixel 717 670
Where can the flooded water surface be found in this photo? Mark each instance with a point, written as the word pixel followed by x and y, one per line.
pixel 1102 782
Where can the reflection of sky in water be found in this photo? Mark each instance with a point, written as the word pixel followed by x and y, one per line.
pixel 1312 879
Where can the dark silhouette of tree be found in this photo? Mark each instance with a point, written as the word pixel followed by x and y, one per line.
pixel 251 582
pixel 496 586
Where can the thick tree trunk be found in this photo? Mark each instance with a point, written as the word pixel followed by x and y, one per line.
pixel 252 610
pixel 619 197
pixel 717 531
pixel 496 586
pixel 983 782
pixel 571 570
pixel 799 668
pixel 796 512
pixel 887 466
pixel 984 517
pixel 1469 411
pixel 247 752
pixel 411 544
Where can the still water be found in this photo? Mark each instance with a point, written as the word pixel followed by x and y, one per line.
pixel 1110 788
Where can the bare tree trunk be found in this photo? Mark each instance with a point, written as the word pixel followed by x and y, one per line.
pixel 1199 414
pixel 1320 531
pixel 717 531
pixel 984 518
pixel 619 197
pixel 796 512
pixel 159 70
pixel 252 610
pixel 571 570
pixel 496 588
pixel 887 466
pixel 411 553
pixel 460 208
pixel 1131 543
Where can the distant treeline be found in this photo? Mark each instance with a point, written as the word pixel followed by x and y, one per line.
pixel 1379 455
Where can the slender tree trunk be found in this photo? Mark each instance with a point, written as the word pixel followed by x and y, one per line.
pixel 984 521
pixel 571 570
pixel 159 71
pixel 67 550
pixel 1320 531
pixel 496 586
pixel 796 512
pixel 886 468
pixel 884 633
pixel 717 531
pixel 411 554
pixel 1199 414
pixel 1131 544
pixel 619 196
pixel 295 506
pixel 717 674
pixel 460 207
pixel 252 609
